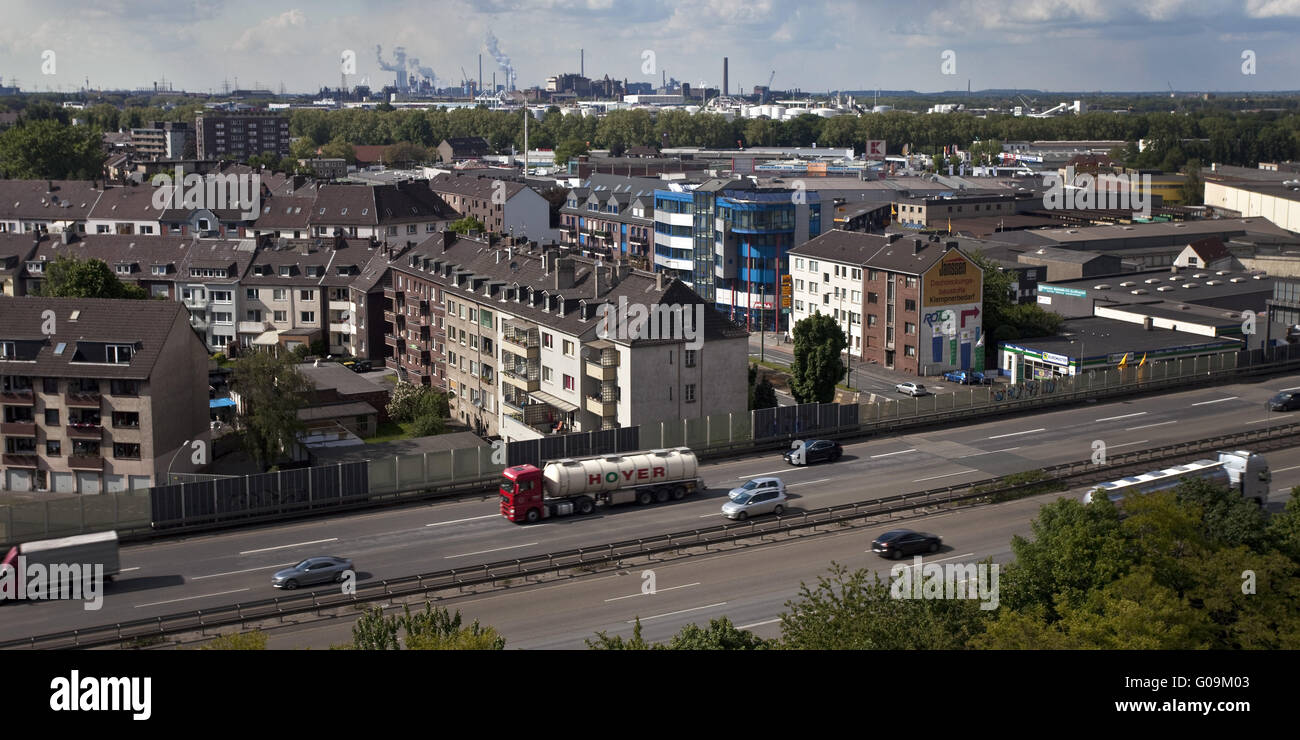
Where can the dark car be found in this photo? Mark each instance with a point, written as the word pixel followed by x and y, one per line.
pixel 899 542
pixel 358 366
pixel 1284 401
pixel 312 570
pixel 813 450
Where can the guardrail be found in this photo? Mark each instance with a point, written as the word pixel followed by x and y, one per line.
pixel 279 607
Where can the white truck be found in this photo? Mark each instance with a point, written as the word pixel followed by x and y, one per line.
pixel 576 485
pixel 1244 472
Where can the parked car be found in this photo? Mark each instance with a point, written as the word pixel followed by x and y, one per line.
pixel 745 505
pixel 1284 401
pixel 358 366
pixel 757 485
pixel 912 389
pixel 312 570
pixel 813 450
pixel 967 377
pixel 982 379
pixel 899 542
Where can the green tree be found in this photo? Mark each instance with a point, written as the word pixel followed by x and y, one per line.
pixel 421 406
pixel 568 149
pixel 339 148
pixel 49 150
pixel 255 640
pixel 69 277
pixel 431 629
pixel 1283 529
pixel 466 225
pixel 405 154
pixel 1193 190
pixel 817 367
pixel 721 634
pixel 273 390
pixel 603 641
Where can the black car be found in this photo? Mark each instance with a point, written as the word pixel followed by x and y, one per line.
pixel 358 366
pixel 813 450
pixel 899 542
pixel 1284 401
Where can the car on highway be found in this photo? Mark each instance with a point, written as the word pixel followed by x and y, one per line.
pixel 899 542
pixel 310 571
pixel 912 389
pixel 757 485
pixel 813 450
pixel 770 501
pixel 1284 401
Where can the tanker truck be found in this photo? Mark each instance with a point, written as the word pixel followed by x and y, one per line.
pixel 576 485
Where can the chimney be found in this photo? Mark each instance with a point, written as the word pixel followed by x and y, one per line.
pixel 564 273
pixel 1147 323
pixel 950 245
pixel 498 256
pixel 893 238
pixel 659 281
pixel 595 279
pixel 917 246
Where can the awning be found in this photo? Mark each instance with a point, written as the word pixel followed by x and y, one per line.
pixel 550 400
pixel 267 338
pixel 221 403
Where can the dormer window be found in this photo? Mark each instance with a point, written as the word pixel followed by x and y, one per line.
pixel 285 270
pixel 118 353
pixel 8 351
pixel 160 269
pixel 35 266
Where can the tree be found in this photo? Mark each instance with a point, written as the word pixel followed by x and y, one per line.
pixel 339 148
pixel 69 277
pixel 1193 190
pixel 761 393
pixel 273 390
pixel 466 225
pixel 817 367
pixel 49 150
pixel 603 641
pixel 568 149
pixel 721 634
pixel 255 640
pixel 405 153
pixel 431 629
pixel 421 406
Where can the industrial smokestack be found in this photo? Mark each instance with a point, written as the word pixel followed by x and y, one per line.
pixel 724 75
pixel 582 62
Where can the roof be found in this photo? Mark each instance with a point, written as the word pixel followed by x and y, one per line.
pixel 474 186
pixel 329 375
pixel 48 200
pixel 144 324
pixel 1210 249
pixel 372 205
pixel 285 213
pixel 336 410
pixel 143 251
pixel 129 203
pixel 874 251
pixel 414 446
pixel 369 153
pixel 1099 337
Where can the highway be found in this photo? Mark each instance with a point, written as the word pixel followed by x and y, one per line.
pixel 204 571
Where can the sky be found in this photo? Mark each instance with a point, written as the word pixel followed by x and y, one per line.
pixel 813 45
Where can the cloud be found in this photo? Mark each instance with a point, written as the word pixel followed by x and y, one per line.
pixel 272 33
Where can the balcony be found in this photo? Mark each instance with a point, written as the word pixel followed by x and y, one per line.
pixel 390 316
pixel 397 343
pixel 254 327
pixel 20 459
pixel 601 371
pixel 82 399
pixel 18 429
pixel 194 302
pixel 391 292
pixel 86 462
pixel 23 397
pixel 602 362
pixel 525 339
pixel 522 377
pixel 341 328
pixel 600 407
pixel 340 305
pixel 200 324
pixel 84 430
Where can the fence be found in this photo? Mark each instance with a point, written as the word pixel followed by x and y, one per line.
pixel 204 503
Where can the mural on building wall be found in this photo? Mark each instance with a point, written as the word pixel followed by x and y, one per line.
pixel 951 297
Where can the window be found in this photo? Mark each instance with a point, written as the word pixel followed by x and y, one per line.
pixel 909 350
pixel 51 417
pixel 547 341
pixel 690 393
pixel 568 382
pixel 690 358
pixel 473 315
pixel 873 297
pixel 125 388
pixel 53 448
pixel 546 374
pixel 909 328
pixel 451 358
pixel 871 319
pixel 221 296
pixel 473 368
pixel 911 282
pixel 487 346
pixel 223 317
pixel 568 348
pixel 485 318
pixel 909 304
pixel 126 419
pixel 126 451
pixel 119 353
pixel 251 294
pixel 280 294
pixel 50 385
pixel 7 351
pixel 306 295
pixel 281 316
pixel 254 315
pixel 308 317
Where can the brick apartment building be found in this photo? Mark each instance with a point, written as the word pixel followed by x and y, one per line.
pixel 101 398
pixel 241 135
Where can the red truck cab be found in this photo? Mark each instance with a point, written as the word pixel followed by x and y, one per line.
pixel 522 492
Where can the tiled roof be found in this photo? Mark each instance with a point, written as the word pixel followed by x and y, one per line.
pixel 128 203
pixel 57 200
pixel 873 251
pixel 474 186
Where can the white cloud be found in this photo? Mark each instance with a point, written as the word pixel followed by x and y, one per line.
pixel 273 33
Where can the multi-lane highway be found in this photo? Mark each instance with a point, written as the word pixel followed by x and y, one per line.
pixel 205 571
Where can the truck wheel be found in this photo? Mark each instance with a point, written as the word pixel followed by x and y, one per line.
pixel 585 505
pixel 679 493
pixel 533 515
pixel 644 497
pixel 661 495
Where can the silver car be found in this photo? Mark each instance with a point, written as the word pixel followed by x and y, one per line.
pixel 912 389
pixel 312 570
pixel 770 501
pixel 757 485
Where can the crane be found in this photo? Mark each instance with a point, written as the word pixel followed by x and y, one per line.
pixel 769 84
pixel 464 76
pixel 1171 88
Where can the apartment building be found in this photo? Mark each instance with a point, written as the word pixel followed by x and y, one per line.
pixel 125 210
pixel 240 135
pixel 909 304
pixel 502 206
pixel 459 149
pixel 514 334
pixel 611 217
pixel 103 397
pixel 46 205
pixel 401 211
pixel 162 140
pixel 15 250
pixel 936 211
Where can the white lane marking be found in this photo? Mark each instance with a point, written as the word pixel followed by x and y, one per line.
pixel 1130 444
pixel 900 452
pixel 188 598
pixel 1017 434
pixel 1297 388
pixel 246 570
pixel 808 483
pixel 758 624
pixel 680 611
pixel 1259 421
pixel 706 516
pixel 127 570
pixel 670 588
pixel 458 521
pixel 791 469
pixel 1283 470
pixel 1217 400
pixel 285 547
pixel 990 452
pixel 940 560
pixel 484 552
pixel 1148 426
pixel 945 475
pixel 1125 416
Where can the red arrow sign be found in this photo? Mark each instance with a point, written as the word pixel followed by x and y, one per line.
pixel 972 312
